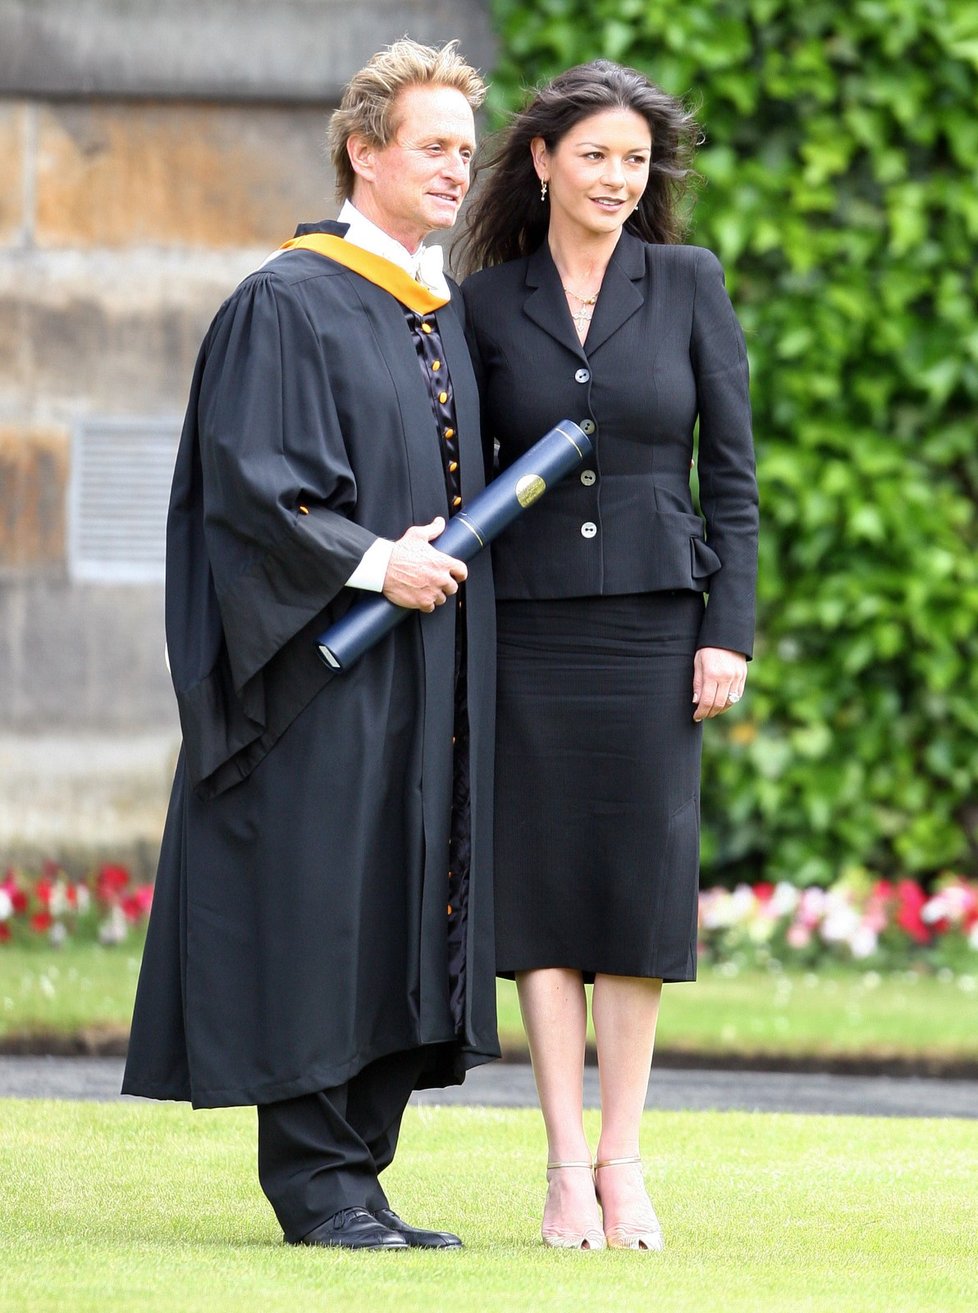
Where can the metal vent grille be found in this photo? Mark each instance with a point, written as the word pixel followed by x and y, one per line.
pixel 118 495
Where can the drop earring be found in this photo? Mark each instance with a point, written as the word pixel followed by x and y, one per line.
pixel 543 190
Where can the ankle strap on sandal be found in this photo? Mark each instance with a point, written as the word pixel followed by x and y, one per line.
pixel 551 1166
pixel 617 1162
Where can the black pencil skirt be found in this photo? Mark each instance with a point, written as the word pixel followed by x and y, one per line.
pixel 597 785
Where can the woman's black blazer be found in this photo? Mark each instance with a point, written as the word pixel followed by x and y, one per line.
pixel 664 350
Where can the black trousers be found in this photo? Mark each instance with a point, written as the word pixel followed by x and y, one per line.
pixel 322 1152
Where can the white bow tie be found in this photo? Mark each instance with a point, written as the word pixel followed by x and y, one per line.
pixel 429 269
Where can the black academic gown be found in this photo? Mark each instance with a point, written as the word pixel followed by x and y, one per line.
pixel 299 930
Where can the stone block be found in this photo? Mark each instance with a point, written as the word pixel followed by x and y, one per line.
pixel 112 333
pixel 83 657
pixel 84 797
pixel 291 51
pixel 205 176
pixel 13 133
pixel 33 479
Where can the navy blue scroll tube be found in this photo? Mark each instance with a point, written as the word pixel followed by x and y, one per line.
pixel 556 454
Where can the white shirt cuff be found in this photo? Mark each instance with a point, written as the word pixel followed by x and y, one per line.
pixel 372 570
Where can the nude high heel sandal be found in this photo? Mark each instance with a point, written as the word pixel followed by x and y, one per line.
pixel 645 1232
pixel 591 1238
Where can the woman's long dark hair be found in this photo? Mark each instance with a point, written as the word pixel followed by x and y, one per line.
pixel 506 217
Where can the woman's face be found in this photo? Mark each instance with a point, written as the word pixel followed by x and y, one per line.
pixel 597 172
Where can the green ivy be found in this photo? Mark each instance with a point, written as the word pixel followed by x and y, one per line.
pixel 839 171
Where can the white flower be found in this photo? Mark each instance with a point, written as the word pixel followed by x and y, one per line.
pixel 716 910
pixel 113 929
pixel 863 942
pixel 840 924
pixel 6 905
pixel 742 902
pixel 58 904
pixel 760 930
pixel 785 899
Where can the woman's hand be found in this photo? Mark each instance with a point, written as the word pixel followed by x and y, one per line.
pixel 719 676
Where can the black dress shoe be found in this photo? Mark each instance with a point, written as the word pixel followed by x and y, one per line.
pixel 414 1236
pixel 354 1228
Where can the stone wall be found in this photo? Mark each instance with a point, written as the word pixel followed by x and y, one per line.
pixel 152 152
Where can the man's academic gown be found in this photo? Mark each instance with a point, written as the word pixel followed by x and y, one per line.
pixel 299 930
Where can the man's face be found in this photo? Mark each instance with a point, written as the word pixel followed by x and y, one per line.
pixel 417 182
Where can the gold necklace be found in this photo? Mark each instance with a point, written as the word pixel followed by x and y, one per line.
pixel 583 316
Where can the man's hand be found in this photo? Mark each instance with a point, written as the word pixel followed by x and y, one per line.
pixel 419 576
pixel 719 676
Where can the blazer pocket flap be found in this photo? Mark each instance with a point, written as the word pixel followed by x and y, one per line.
pixel 704 559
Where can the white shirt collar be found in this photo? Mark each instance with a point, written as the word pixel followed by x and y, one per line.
pixel 363 232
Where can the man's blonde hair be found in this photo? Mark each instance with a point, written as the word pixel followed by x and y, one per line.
pixel 368 107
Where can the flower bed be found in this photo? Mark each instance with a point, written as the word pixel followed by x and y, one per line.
pixel 52 908
pixel 876 924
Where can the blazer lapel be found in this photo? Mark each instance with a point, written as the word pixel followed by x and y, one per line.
pixel 619 298
pixel 620 294
pixel 545 302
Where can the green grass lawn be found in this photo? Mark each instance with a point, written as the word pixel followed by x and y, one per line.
pixel 155 1209
pixel 87 988
pixel 843 1014
pixel 79 988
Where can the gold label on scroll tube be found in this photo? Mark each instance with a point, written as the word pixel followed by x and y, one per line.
pixel 529 488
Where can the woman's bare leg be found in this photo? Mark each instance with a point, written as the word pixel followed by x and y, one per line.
pixel 554 1009
pixel 625 1011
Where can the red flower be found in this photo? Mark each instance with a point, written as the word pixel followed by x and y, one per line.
pixel 42 921
pixel 911 899
pixel 4 933
pixel 110 882
pixel 43 891
pixel 17 896
pixel 763 892
pixel 137 904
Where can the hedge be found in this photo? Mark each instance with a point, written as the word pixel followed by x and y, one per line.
pixel 839 191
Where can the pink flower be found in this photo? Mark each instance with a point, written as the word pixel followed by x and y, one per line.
pixel 799 935
pixel 811 908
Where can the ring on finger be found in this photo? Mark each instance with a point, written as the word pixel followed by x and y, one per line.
pixel 733 697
